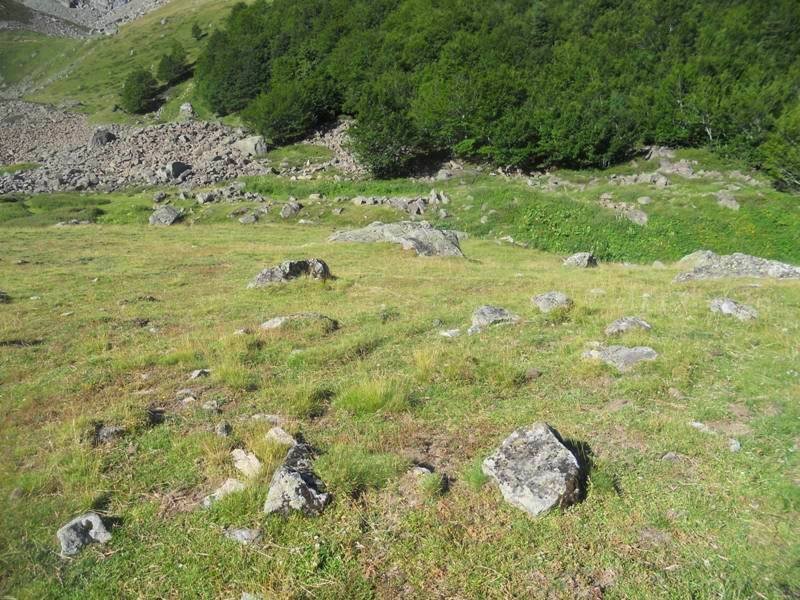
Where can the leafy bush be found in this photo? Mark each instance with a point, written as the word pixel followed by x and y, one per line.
pixel 781 151
pixel 139 92
pixel 197 33
pixel 173 67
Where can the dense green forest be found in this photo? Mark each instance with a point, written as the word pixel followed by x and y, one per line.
pixel 517 82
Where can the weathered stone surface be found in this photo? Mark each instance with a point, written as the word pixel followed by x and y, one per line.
pixel 551 301
pixel 535 470
pixel 421 237
pixel 198 373
pixel 486 316
pixel 708 265
pixel 280 436
pixel 176 168
pixel 243 536
pixel 186 110
pixel 621 358
pixel 325 322
pixel 101 137
pixel 291 269
pixel 583 260
pixel 290 209
pixel 254 145
pixel 731 308
pixel 295 486
pixel 223 429
pixel 626 324
pixel 104 434
pixel 727 200
pixel 246 462
pixel 248 219
pixel 230 486
pixel 83 530
pixel 165 215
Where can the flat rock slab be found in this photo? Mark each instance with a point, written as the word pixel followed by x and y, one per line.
pixel 83 530
pixel 584 260
pixel 487 316
pixel 314 268
pixel 421 237
pixel 731 308
pixel 309 318
pixel 295 487
pixel 165 216
pixel 551 301
pixel 622 358
pixel 535 470
pixel 708 265
pixel 626 324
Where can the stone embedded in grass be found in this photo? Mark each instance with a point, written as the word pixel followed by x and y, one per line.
pixel 104 434
pixel 734 445
pixel 327 323
pixel 83 530
pixel 535 470
pixel 582 260
pixel 165 216
pixel 621 358
pixel 4 297
pixel 243 536
pixel 532 374
pixel 708 265
pixel 727 200
pixel 248 219
pixel 246 462
pixel 626 324
pixel 486 316
pixel 290 209
pixel 212 406
pixel 223 429
pixel 159 197
pixel 231 486
pixel 702 427
pixel 280 436
pixel 295 486
pixel 198 373
pixel 450 333
pixel 291 269
pixel 731 308
pixel 551 301
pixel 421 237
pixel 644 200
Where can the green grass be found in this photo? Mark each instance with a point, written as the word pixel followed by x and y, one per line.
pixel 34 56
pixel 381 392
pixel 16 168
pixel 297 155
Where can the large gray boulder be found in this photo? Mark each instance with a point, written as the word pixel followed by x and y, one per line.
pixel 165 215
pixel 486 316
pixel 621 358
pixel 83 530
pixel 255 145
pixel 731 308
pixel 582 260
pixel 421 237
pixel 708 265
pixel 295 487
pixel 551 301
pixel 626 324
pixel 102 136
pixel 291 269
pixel 535 470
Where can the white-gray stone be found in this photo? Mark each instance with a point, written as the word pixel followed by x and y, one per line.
pixel 626 324
pixel 621 358
pixel 731 308
pixel 230 486
pixel 487 316
pixel 295 486
pixel 708 265
pixel 246 463
pixel 421 237
pixel 551 301
pixel 83 530
pixel 583 260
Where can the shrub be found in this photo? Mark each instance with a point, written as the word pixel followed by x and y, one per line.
pixel 139 92
pixel 197 33
pixel 781 151
pixel 173 66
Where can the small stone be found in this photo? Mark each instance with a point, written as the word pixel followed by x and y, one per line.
pixel 198 373
pixel 83 530
pixel 165 216
pixel 295 487
pixel 211 406
pixel 551 301
pixel 734 445
pixel 291 269
pixel 626 324
pixel 280 436
pixel 290 209
pixel 584 260
pixel 644 200
pixel 487 316
pixel 223 429
pixel 702 427
pixel 731 308
pixel 450 333
pixel 246 462
pixel 621 358
pixel 671 457
pixel 532 374
pixel 229 487
pixel 243 536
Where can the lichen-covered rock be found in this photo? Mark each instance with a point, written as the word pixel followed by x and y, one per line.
pixel 165 215
pixel 421 237
pixel 626 324
pixel 551 301
pixel 295 486
pixel 535 470
pixel 708 265
pixel 731 308
pixel 83 530
pixel 621 358
pixel 582 260
pixel 486 316
pixel 291 269
pixel 326 323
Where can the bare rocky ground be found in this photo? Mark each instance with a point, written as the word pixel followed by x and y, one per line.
pixel 93 16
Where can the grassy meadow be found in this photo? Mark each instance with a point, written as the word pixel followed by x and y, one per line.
pixel 107 320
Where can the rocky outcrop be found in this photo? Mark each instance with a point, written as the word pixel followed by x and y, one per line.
pixel 295 487
pixel 535 470
pixel 291 269
pixel 83 530
pixel 414 206
pixel 708 265
pixel 421 237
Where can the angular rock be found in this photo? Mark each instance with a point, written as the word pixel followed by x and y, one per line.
pixel 246 462
pixel 248 219
pixel 230 486
pixel 327 323
pixel 421 237
pixel 186 110
pixel 255 145
pixel 486 316
pixel 551 301
pixel 290 209
pixel 535 470
pixel 626 324
pixel 622 358
pixel 243 536
pixel 101 137
pixel 731 308
pixel 583 260
pixel 223 429
pixel 174 169
pixel 291 269
pixel 295 486
pixel 198 373
pixel 708 265
pixel 83 530
pixel 165 216
pixel 159 197
pixel 280 436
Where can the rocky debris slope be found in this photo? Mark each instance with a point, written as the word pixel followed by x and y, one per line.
pixel 422 237
pixel 44 23
pixel 73 156
pixel 708 265
pixel 535 470
pixel 95 16
pixel 337 140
